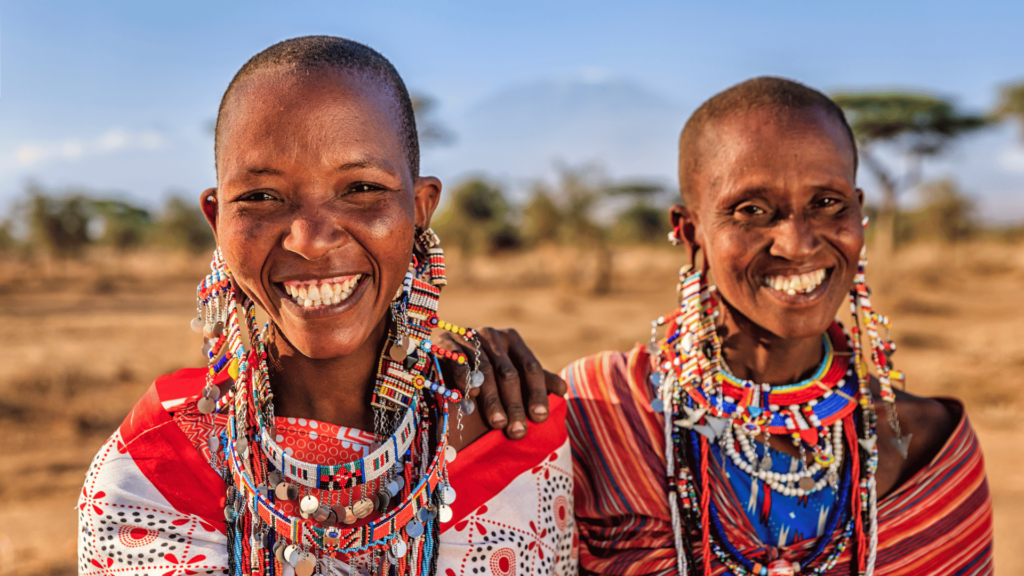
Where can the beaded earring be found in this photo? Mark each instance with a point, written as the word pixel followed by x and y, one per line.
pixel 216 319
pixel 882 349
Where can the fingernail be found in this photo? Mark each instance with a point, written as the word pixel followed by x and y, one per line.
pixel 539 411
pixel 499 421
pixel 517 428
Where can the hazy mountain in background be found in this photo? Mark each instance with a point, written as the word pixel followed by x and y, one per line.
pixel 520 132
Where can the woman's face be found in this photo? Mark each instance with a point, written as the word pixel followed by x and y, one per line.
pixel 779 217
pixel 316 205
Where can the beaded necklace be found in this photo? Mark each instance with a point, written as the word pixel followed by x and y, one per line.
pixel 408 465
pixel 703 403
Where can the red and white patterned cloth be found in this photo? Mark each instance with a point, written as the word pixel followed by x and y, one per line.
pixel 152 505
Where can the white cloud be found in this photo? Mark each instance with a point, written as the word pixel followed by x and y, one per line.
pixel 112 140
pixel 1012 159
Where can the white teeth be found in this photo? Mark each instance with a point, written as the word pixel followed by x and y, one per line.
pixel 797 284
pixel 323 294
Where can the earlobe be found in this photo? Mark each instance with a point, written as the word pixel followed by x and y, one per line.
pixel 684 228
pixel 208 204
pixel 427 191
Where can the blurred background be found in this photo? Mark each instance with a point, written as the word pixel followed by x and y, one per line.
pixel 553 127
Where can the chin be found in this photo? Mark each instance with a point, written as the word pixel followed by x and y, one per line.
pixel 317 345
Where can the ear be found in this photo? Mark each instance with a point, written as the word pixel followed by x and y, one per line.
pixel 860 197
pixel 427 191
pixel 208 203
pixel 684 225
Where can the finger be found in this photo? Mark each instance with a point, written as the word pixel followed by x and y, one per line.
pixel 487 397
pixel 531 373
pixel 554 383
pixel 509 385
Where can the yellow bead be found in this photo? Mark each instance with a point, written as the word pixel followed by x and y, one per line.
pixel 462 331
pixel 233 369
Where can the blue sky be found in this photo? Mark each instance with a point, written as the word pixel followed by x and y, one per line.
pixel 118 95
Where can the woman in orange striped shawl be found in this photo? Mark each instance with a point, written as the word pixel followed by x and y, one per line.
pixel 767 172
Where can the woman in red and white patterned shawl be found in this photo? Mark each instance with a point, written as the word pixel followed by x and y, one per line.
pixel 319 190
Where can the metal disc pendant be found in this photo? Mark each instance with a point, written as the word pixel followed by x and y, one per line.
pixel 476 379
pixel 274 478
pixel 362 508
pixel 657 405
pixel 414 529
pixel 397 354
pixel 766 462
pixel 467 405
pixel 450 453
pixel 308 505
pixel 426 514
pixel 407 344
pixel 306 565
pixel 197 324
pixel 322 513
pixel 286 491
pixel 347 515
pixel 444 513
pixel 206 405
pixel 807 483
pixel 279 547
pixel 448 495
pixel 399 548
pixel 291 554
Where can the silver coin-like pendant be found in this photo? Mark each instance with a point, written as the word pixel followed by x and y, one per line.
pixel 308 505
pixel 279 547
pixel 399 548
pixel 414 529
pixel 347 515
pixel 476 379
pixel 450 453
pixel 206 405
pixel 362 508
pixel 468 406
pixel 444 514
pixel 448 495
pixel 291 554
pixel 306 565
pixel 766 463
pixel 286 491
pixel 397 354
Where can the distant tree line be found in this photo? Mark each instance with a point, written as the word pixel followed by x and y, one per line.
pixel 65 223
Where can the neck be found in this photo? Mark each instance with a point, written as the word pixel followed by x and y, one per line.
pixel 334 390
pixel 755 354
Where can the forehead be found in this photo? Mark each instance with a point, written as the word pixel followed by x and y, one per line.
pixel 775 148
pixel 287 113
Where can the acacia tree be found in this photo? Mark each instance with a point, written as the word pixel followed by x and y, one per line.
pixel 915 127
pixel 1011 104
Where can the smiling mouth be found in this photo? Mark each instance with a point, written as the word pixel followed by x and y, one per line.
pixel 321 292
pixel 797 283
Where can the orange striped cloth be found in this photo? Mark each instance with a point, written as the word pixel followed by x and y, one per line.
pixel 938 522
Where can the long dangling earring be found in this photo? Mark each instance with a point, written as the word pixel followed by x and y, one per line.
pixel 882 349
pixel 217 320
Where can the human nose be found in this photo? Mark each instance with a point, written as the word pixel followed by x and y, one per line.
pixel 794 239
pixel 313 233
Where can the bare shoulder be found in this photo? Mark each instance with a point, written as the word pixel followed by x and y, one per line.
pixel 927 421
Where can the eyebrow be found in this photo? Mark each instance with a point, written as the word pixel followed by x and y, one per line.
pixel 354 165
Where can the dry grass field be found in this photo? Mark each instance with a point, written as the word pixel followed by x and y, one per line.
pixel 80 341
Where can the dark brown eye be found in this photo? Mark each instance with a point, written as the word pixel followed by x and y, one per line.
pixel 751 210
pixel 257 196
pixel 365 187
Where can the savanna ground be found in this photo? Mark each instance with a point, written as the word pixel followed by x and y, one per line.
pixel 80 341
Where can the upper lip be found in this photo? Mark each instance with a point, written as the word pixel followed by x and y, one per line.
pixel 316 277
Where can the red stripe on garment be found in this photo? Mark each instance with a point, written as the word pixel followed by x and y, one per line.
pixel 167 458
pixel 488 465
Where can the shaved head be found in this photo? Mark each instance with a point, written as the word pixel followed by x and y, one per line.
pixel 317 54
pixel 763 93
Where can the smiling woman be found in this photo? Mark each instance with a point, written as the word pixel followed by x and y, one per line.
pixel 334 443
